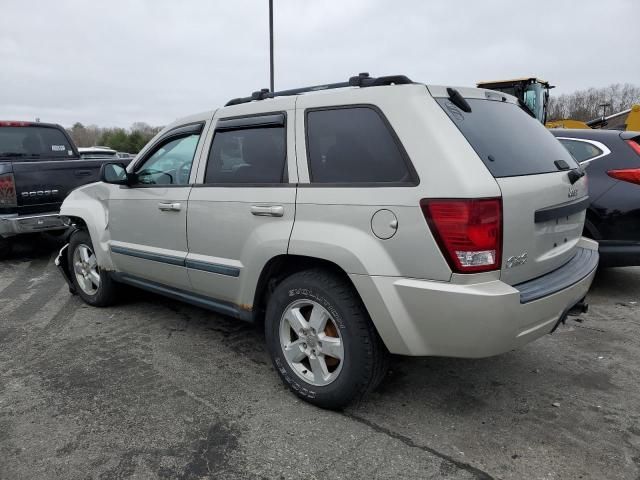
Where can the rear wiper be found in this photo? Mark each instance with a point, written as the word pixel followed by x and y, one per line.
pixel 576 174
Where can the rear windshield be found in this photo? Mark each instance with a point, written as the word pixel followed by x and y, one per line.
pixel 509 141
pixel 34 142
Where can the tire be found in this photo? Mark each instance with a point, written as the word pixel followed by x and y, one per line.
pixel 96 287
pixel 317 294
pixel 5 247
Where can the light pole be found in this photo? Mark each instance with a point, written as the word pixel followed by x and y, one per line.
pixel 271 44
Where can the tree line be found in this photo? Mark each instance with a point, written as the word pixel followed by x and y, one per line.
pixel 592 103
pixel 129 140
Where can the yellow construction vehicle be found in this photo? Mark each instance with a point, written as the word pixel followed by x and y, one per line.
pixel 531 91
pixel 534 93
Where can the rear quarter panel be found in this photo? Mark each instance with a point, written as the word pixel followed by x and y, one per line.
pixel 334 223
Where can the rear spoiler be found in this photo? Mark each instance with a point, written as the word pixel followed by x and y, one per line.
pixel 626 135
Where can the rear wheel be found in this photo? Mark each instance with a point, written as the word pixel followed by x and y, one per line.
pixel 321 339
pixel 93 284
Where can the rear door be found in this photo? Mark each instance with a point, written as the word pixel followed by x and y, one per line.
pixel 46 165
pixel 242 209
pixel 543 210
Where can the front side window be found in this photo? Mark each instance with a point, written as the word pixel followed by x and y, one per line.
pixel 170 163
pixel 353 145
pixel 248 155
pixel 581 151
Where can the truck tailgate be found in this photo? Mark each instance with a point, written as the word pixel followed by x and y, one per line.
pixel 45 184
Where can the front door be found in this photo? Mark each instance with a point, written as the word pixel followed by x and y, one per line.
pixel 148 220
pixel 241 210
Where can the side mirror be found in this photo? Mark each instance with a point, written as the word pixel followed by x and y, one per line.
pixel 114 173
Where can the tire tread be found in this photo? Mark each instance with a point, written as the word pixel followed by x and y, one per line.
pixel 376 355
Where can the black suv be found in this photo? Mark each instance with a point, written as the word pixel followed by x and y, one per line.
pixel 612 161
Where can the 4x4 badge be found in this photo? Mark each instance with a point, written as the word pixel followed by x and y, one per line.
pixel 516 260
pixel 573 192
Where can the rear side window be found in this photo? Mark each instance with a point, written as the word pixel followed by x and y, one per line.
pixel 248 155
pixel 34 142
pixel 581 151
pixel 509 141
pixel 353 145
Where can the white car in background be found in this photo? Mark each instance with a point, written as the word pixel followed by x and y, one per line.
pixel 97 152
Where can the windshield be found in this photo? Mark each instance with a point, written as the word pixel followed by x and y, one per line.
pixel 34 142
pixel 509 141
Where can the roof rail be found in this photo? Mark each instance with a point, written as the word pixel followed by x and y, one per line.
pixel 361 80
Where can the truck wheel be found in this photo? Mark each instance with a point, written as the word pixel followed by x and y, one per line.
pixel 5 247
pixel 94 285
pixel 321 339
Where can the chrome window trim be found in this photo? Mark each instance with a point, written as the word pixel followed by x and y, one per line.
pixel 600 146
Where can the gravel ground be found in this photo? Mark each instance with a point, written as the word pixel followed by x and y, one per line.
pixel 156 389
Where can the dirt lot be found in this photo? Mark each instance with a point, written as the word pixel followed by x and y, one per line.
pixel 156 389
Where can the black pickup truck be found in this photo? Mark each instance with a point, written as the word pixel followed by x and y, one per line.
pixel 39 166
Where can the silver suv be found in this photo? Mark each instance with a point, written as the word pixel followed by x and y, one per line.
pixel 355 220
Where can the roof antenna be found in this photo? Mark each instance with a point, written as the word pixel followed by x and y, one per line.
pixel 271 44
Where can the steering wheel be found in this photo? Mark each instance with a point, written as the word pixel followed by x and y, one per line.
pixel 151 171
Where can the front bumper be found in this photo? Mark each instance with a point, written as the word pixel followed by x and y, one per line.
pixel 428 318
pixel 11 225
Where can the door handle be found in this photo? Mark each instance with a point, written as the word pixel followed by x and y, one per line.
pixel 267 210
pixel 82 173
pixel 169 207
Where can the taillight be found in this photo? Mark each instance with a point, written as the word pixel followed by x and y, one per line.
pixel 631 175
pixel 634 145
pixel 626 175
pixel 7 190
pixel 468 231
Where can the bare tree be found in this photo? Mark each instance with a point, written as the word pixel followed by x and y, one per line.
pixel 588 104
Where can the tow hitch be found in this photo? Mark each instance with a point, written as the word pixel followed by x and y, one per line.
pixel 578 308
pixel 575 310
pixel 62 263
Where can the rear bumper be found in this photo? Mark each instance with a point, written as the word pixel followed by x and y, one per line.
pixel 418 317
pixel 619 254
pixel 11 225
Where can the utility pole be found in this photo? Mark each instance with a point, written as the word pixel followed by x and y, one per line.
pixel 271 43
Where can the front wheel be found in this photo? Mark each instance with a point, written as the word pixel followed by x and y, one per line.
pixel 93 284
pixel 321 340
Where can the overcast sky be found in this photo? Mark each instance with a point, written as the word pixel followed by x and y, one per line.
pixel 115 62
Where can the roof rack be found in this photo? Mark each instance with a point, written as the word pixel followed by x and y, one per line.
pixel 361 80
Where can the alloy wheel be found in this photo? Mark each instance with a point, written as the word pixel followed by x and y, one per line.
pixel 86 269
pixel 311 342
